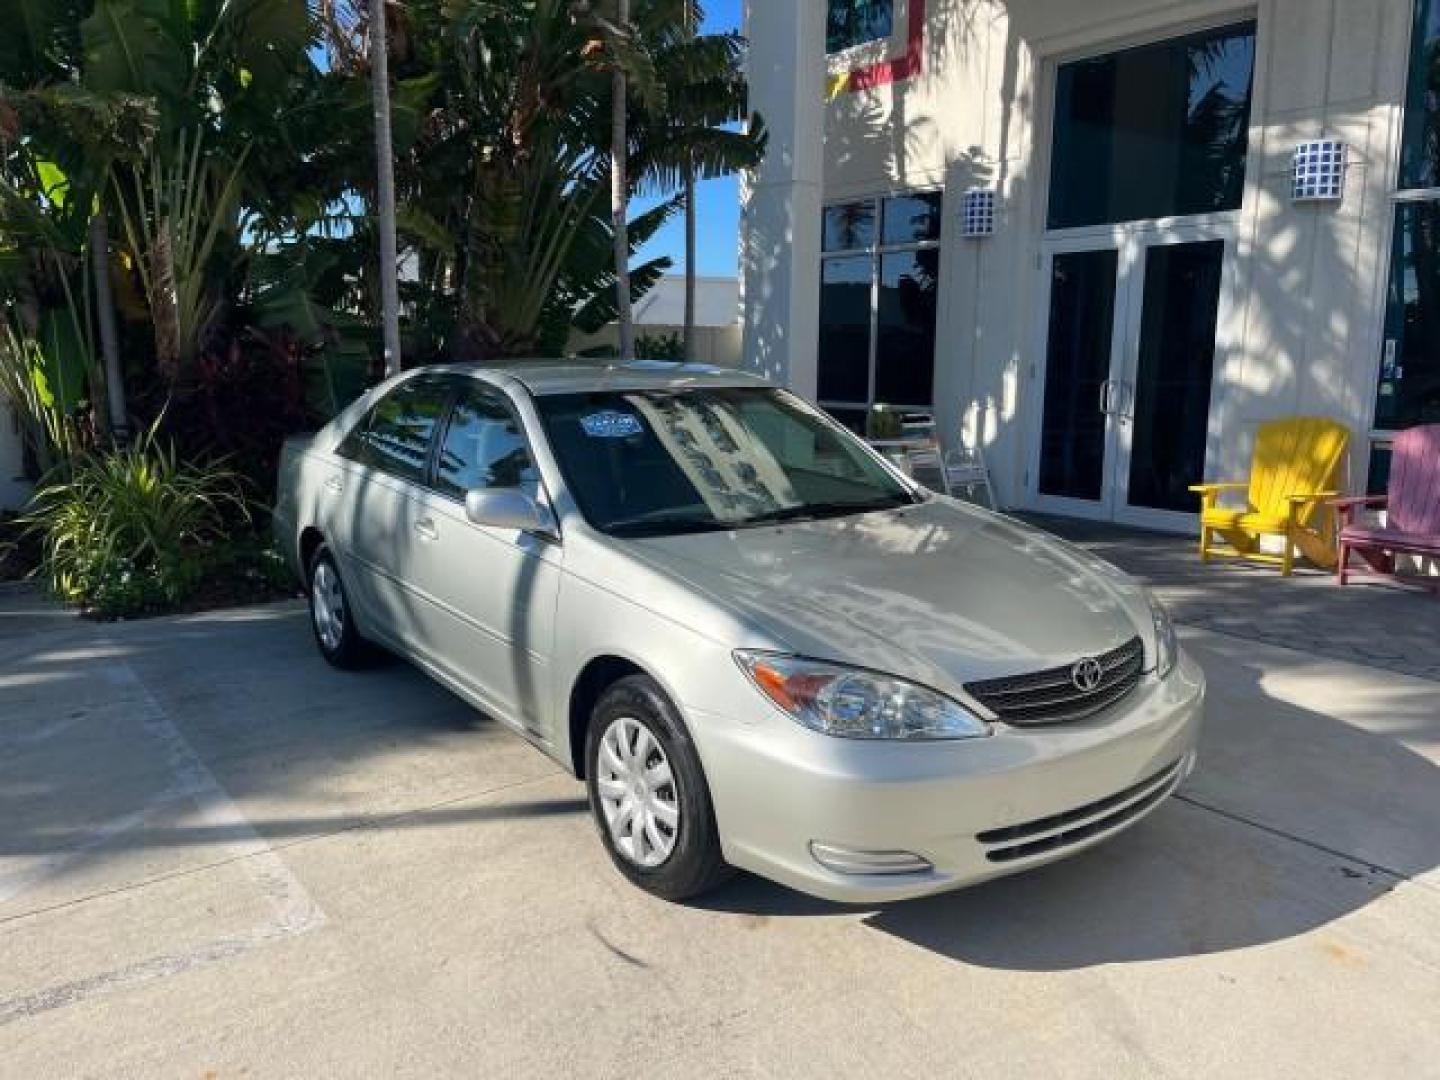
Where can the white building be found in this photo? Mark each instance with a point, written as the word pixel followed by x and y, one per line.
pixel 661 313
pixel 1153 287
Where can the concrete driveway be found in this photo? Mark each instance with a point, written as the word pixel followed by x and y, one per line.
pixel 220 858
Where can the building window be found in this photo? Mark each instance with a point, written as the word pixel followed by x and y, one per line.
pixel 855 22
pixel 1409 390
pixel 1156 131
pixel 879 282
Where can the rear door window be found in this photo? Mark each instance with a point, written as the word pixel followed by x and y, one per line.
pixel 396 437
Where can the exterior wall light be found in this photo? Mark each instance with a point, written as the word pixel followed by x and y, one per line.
pixel 1320 171
pixel 977 213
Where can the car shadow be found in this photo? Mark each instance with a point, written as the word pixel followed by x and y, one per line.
pixel 1295 820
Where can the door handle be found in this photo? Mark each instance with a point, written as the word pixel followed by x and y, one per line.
pixel 333 484
pixel 1107 397
pixel 426 530
pixel 1125 400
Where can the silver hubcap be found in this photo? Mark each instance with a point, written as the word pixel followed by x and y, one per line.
pixel 327 606
pixel 637 793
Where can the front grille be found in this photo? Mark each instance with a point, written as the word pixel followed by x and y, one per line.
pixel 1051 697
pixel 1073 826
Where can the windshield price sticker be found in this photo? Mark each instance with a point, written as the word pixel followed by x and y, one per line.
pixel 611 425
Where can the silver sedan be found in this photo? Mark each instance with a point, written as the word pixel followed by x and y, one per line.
pixel 757 643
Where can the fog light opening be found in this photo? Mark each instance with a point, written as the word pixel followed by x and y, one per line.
pixel 844 860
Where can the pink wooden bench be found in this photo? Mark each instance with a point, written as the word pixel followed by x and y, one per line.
pixel 1412 525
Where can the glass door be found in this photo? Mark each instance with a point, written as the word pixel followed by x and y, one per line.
pixel 1085 331
pixel 1163 402
pixel 1129 367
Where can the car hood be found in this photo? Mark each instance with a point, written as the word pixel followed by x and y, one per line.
pixel 938 592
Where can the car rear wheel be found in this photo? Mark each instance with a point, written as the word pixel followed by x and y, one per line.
pixel 331 617
pixel 648 793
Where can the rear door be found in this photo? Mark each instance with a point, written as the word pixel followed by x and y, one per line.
pixel 488 594
pixel 386 459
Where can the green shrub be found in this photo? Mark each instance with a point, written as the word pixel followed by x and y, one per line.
pixel 660 347
pixel 134 530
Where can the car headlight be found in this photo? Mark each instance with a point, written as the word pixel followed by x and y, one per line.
pixel 1167 645
pixel 852 703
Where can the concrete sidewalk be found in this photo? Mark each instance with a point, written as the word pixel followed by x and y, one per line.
pixel 219 857
pixel 1369 622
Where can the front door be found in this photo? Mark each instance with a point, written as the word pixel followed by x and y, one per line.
pixel 1129 363
pixel 486 596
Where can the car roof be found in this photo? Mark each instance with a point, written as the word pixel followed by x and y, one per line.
pixel 546 377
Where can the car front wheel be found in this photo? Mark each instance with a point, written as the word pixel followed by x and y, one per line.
pixel 648 793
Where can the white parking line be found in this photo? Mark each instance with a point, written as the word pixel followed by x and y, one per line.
pixel 294 911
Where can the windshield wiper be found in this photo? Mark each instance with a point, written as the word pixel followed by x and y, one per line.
pixel 666 526
pixel 821 510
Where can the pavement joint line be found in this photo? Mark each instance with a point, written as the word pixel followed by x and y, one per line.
pixel 368 821
pixel 1283 834
pixel 294 911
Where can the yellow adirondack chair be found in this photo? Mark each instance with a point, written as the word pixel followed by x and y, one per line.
pixel 1295 469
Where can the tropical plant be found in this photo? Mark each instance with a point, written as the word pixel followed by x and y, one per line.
pixel 222 78
pixel 701 133
pixel 132 529
pixel 58 142
pixel 661 347
pixel 45 412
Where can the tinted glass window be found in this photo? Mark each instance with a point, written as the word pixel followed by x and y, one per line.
pixel 854 22
pixel 1410 365
pixel 1420 162
pixel 905 336
pixel 396 436
pixel 483 447
pixel 912 219
pixel 1152 132
pixel 649 463
pixel 844 370
pixel 849 226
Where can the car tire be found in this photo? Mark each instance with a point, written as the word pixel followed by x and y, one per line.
pixel 668 844
pixel 331 618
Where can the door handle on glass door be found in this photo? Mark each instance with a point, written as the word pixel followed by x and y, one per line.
pixel 1125 400
pixel 1105 398
pixel 426 530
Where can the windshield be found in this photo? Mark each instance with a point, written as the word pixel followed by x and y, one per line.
pixel 664 462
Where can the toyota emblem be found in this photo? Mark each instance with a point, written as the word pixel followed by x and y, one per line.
pixel 1087 675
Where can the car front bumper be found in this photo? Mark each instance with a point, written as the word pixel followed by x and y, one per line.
pixel 971 809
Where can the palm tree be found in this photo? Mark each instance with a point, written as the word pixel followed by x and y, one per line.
pixel 385 187
pixel 620 190
pixel 697 136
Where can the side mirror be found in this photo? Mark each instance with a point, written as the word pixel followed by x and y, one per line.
pixel 509 508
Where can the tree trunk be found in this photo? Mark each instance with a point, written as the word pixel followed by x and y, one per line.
pixel 690 273
pixel 385 188
pixel 691 211
pixel 619 200
pixel 117 415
